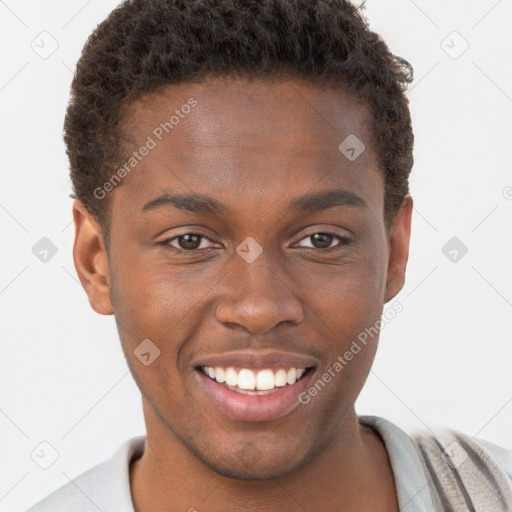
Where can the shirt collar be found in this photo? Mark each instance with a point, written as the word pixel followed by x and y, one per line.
pixel 411 482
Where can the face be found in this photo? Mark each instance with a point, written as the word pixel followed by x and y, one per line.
pixel 251 252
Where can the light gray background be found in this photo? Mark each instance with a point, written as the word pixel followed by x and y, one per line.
pixel 444 360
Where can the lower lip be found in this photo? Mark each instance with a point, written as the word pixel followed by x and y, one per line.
pixel 243 407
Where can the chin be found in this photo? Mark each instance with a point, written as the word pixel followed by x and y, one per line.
pixel 250 462
pixel 248 471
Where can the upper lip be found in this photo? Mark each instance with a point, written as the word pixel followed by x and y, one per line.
pixel 256 359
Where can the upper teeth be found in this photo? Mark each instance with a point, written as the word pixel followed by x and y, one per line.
pixel 260 380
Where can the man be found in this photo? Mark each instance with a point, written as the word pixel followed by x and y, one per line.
pixel 240 170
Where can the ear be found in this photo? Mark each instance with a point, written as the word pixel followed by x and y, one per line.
pixel 90 257
pixel 399 237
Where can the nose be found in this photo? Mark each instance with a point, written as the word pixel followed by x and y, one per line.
pixel 258 298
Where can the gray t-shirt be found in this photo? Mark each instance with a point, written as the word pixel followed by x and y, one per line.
pixel 106 487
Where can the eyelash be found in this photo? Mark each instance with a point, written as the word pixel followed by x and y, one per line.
pixel 342 241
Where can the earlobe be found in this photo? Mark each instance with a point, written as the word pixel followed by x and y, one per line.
pixel 399 238
pixel 90 257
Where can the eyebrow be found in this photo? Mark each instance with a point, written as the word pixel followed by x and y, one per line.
pixel 195 203
pixel 309 203
pixel 319 201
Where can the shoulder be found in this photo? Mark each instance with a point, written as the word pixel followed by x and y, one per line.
pixel 502 455
pixel 457 450
pixel 443 469
pixel 465 470
pixel 70 496
pixel 106 486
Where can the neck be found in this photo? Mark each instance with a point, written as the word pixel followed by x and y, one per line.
pixel 352 473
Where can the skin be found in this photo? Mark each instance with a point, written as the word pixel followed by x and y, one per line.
pixel 253 146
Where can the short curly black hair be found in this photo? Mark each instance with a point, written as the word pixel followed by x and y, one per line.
pixel 144 45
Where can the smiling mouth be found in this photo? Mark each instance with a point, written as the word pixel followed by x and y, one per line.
pixel 256 382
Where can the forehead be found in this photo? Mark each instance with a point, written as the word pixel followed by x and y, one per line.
pixel 243 109
pixel 232 136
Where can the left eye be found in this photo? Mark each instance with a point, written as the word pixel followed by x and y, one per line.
pixel 324 240
pixel 188 241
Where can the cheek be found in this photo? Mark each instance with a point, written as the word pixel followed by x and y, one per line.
pixel 152 323
pixel 347 305
pixel 149 295
pixel 349 297
pixel 153 303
